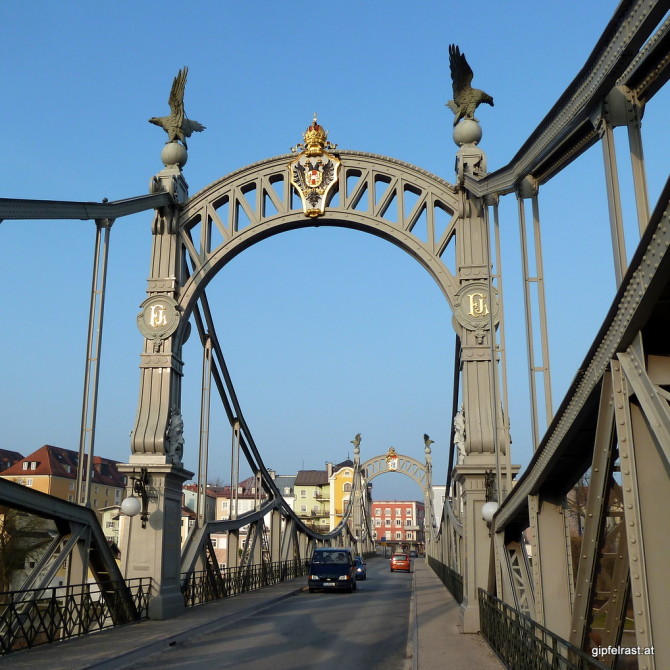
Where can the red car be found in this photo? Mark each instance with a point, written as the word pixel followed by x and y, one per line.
pixel 400 562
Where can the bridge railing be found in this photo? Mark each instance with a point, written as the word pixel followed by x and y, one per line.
pixel 523 644
pixel 32 617
pixel 203 586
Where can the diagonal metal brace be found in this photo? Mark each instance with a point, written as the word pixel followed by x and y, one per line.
pixel 654 406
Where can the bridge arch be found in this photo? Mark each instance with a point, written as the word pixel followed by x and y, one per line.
pixel 394 462
pixel 375 194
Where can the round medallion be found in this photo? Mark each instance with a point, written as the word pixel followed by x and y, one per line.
pixel 472 307
pixel 159 317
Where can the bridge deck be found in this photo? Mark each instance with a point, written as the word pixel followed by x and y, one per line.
pixel 434 627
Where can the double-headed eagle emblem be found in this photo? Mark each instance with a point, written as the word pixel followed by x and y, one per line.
pixel 314 171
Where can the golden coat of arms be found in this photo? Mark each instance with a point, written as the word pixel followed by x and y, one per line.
pixel 392 459
pixel 314 171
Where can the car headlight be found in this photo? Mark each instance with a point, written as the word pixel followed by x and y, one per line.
pixel 316 577
pixel 344 577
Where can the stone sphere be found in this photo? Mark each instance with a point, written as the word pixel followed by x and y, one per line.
pixel 174 153
pixel 467 131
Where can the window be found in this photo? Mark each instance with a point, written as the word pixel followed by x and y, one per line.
pixel 408 522
pixel 303 508
pixel 71 487
pixel 408 511
pixel 398 522
pixel 398 511
pixel 25 465
pixel 109 524
pixel 378 512
pixel 33 465
pixel 398 536
pixel 378 522
pixel 347 487
pixel 387 511
pixel 214 543
pixel 29 481
pixel 70 498
pixel 387 523
pixel 409 535
pixel 303 493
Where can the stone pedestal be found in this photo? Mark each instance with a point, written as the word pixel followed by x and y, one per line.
pixel 155 551
pixel 471 476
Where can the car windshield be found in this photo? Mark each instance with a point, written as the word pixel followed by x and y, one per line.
pixel 330 557
pixel 400 557
pixel 359 560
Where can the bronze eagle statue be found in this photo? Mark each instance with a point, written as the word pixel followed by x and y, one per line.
pixel 177 126
pixel 466 99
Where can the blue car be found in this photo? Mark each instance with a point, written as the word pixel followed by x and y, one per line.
pixel 361 572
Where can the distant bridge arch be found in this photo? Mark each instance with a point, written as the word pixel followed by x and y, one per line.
pixel 405 465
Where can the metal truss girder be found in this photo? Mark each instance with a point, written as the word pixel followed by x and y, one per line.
pixel 625 34
pixel 601 469
pixel 519 577
pixel 49 507
pixel 16 209
pixel 632 512
pixel 49 564
pixel 635 300
pixel 654 406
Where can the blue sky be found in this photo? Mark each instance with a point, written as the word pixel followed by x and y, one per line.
pixel 327 332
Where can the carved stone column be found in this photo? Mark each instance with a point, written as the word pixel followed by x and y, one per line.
pixel 156 440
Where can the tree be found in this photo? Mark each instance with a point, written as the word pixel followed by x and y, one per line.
pixel 22 538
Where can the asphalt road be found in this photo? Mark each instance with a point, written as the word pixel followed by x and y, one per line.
pixel 363 630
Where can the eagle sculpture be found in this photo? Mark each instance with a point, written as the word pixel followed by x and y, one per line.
pixel 177 126
pixel 466 99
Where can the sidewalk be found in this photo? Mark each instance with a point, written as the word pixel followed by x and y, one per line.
pixel 439 642
pixel 435 639
pixel 116 648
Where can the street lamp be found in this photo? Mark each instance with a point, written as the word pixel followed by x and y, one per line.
pixel 132 506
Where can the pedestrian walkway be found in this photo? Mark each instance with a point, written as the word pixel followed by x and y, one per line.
pixel 435 638
pixel 440 642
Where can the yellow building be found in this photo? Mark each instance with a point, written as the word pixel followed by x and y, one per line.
pixel 53 470
pixel 312 499
pixel 341 482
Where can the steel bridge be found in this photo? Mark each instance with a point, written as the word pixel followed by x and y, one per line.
pixel 555 565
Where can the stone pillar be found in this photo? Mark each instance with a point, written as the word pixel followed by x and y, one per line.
pixel 471 476
pixel 157 437
pixel 481 442
pixel 155 551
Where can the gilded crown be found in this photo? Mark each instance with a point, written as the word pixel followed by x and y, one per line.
pixel 316 140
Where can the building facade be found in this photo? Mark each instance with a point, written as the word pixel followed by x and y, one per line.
pixel 399 524
pixel 312 499
pixel 53 470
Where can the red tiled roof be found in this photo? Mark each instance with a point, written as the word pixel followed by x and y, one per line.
pixel 59 462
